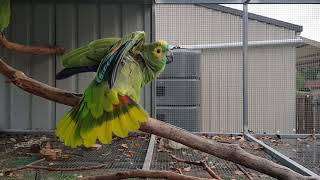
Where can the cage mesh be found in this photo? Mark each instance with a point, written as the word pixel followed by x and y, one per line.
pixel 202 90
pixel 225 169
pixel 121 154
pixel 305 150
pixel 282 75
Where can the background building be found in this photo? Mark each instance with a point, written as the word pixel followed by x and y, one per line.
pixel 218 31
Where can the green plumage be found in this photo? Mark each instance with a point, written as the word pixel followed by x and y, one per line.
pixel 90 54
pixel 109 104
pixel 5 14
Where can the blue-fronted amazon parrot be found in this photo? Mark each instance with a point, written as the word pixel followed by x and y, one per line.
pixel 109 105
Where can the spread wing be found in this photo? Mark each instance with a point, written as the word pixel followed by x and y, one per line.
pixel 108 52
pixel 89 54
pixel 108 68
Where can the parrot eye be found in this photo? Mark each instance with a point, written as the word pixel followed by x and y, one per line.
pixel 158 51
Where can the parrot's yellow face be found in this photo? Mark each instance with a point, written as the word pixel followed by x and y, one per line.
pixel 155 55
pixel 160 50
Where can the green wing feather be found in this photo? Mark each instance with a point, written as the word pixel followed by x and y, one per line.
pixel 89 54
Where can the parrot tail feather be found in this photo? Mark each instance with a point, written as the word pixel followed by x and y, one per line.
pixel 100 114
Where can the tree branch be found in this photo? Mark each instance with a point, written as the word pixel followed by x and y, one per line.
pixel 7 171
pixel 244 172
pixel 143 174
pixel 37 50
pixel 198 163
pixel 37 88
pixel 231 152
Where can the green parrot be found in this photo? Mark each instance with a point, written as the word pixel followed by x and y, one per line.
pixel 109 105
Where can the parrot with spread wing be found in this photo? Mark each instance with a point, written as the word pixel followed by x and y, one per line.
pixel 109 105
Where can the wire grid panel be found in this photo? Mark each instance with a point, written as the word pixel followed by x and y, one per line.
pixel 304 151
pixel 307 84
pixel 161 160
pixel 282 77
pixel 220 107
pixel 120 155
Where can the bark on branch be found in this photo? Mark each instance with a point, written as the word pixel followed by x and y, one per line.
pixel 37 50
pixel 229 152
pixel 37 88
pixel 198 163
pixel 143 174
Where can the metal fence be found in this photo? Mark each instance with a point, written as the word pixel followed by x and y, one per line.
pixel 257 72
pixel 251 68
pixel 215 84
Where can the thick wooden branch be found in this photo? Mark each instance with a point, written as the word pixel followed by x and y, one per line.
pixel 37 88
pixel 229 152
pixel 143 174
pixel 37 50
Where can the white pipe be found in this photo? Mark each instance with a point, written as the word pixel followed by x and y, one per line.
pixel 239 44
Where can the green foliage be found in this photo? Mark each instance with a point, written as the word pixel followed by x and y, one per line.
pixel 4 14
pixel 300 81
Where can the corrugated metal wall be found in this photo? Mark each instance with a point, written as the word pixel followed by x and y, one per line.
pixel 271 69
pixel 70 25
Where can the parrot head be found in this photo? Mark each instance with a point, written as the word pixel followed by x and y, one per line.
pixel 156 55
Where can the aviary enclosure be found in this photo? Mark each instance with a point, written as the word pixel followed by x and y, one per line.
pixel 241 99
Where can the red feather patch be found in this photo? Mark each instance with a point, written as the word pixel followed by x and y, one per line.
pixel 122 99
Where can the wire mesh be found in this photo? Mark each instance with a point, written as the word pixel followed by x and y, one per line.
pixel 283 94
pixel 202 90
pixel 304 151
pixel 121 154
pixel 162 160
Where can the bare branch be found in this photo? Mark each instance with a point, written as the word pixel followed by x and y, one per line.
pixel 37 88
pixel 244 172
pixel 231 152
pixel 198 163
pixel 143 174
pixel 37 50
pixel 7 171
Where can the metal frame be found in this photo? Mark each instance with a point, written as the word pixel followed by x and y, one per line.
pixel 94 1
pixel 282 158
pixel 153 83
pixel 237 1
pixel 245 66
pixel 295 42
pixel 148 158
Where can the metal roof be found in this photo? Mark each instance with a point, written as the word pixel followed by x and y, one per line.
pixel 310 42
pixel 252 16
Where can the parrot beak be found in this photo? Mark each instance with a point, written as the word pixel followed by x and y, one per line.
pixel 169 57
pixel 170 54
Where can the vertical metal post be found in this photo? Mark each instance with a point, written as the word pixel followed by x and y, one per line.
pixel 153 84
pixel 245 66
